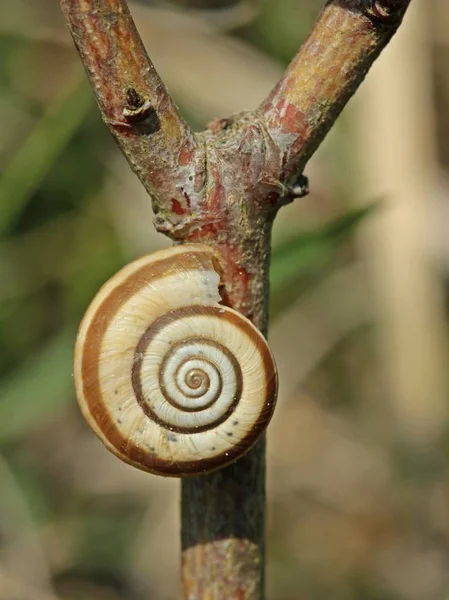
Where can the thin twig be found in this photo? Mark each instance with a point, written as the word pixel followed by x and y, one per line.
pixel 133 100
pixel 323 76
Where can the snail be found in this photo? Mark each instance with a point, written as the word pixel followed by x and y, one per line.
pixel 170 380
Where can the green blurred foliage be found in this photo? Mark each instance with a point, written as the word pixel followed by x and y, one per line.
pixel 281 26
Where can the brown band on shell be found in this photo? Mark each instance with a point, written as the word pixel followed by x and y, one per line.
pixel 145 340
pixel 125 448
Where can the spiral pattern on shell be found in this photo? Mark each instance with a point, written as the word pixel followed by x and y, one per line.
pixel 171 381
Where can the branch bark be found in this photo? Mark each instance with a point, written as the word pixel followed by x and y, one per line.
pixel 333 61
pixel 223 188
pixel 131 96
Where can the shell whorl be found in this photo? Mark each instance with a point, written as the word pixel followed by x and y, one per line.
pixel 171 381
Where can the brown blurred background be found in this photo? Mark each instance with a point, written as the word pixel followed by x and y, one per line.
pixel 358 471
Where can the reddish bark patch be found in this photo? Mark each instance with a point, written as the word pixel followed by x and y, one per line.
pixel 294 121
pixel 176 207
pixel 186 156
pixel 244 276
pixel 236 288
pixel 217 196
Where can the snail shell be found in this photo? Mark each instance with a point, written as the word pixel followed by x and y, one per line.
pixel 169 380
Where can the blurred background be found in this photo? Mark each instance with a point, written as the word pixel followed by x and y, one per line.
pixel 358 470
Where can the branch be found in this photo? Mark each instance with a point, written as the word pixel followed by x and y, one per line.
pixel 333 61
pixel 133 100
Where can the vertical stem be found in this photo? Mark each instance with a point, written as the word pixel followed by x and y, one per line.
pixel 223 540
pixel 223 513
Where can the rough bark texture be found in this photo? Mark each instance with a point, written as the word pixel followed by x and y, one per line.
pixel 223 188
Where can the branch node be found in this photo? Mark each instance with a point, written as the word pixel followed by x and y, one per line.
pixel 298 189
pixel 137 108
pixel 383 12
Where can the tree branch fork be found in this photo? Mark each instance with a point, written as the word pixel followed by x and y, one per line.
pixel 245 167
pixel 223 187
